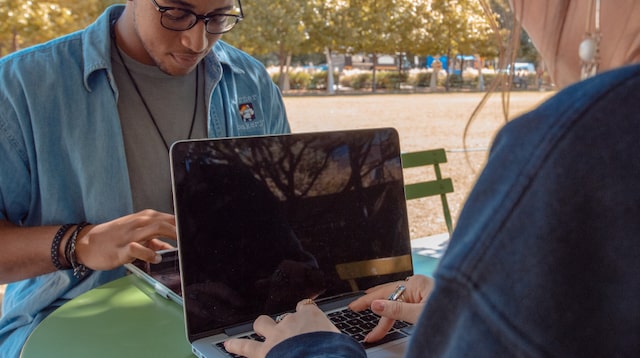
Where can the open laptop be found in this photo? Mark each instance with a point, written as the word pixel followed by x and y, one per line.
pixel 163 277
pixel 264 222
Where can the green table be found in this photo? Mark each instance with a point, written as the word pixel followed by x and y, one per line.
pixel 124 318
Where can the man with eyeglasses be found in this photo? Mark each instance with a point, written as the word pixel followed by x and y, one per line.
pixel 86 122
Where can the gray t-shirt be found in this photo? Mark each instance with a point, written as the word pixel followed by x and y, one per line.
pixel 171 102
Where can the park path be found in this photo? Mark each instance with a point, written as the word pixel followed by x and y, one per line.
pixel 423 121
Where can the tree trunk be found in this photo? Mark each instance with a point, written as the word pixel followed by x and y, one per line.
pixel 330 81
pixel 373 77
pixel 282 58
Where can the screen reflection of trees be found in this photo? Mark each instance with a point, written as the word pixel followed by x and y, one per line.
pixel 345 183
pixel 341 191
pixel 295 169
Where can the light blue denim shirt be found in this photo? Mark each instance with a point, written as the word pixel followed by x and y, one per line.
pixel 62 150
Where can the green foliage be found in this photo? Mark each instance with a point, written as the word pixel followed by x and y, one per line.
pixel 276 30
pixel 455 81
pixel 391 79
pixel 319 80
pixel 24 23
pixel 419 27
pixel 421 79
pixel 357 81
pixel 299 80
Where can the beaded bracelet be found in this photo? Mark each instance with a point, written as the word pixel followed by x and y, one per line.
pixel 67 249
pixel 55 246
pixel 79 270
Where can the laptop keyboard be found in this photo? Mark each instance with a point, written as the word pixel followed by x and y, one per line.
pixel 358 324
pixel 354 324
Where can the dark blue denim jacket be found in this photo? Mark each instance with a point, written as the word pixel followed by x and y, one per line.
pixel 545 258
pixel 62 152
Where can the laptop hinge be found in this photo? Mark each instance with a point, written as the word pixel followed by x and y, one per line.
pixel 242 328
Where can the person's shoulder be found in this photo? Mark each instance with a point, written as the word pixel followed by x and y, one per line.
pixel 87 44
pixel 62 48
pixel 231 55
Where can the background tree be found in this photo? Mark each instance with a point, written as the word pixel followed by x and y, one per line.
pixel 271 26
pixel 280 29
pixel 24 23
pixel 379 27
pixel 328 30
pixel 461 28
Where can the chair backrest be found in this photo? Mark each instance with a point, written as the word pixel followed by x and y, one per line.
pixel 383 266
pixel 439 186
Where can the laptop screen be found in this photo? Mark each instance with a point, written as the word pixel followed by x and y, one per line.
pixel 263 221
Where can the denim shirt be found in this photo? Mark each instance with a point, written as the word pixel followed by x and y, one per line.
pixel 62 149
pixel 544 260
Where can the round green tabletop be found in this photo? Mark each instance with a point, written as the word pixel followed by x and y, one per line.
pixel 123 318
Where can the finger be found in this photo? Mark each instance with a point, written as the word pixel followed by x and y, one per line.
pixel 419 288
pixel 264 325
pixel 379 292
pixel 155 229
pixel 383 286
pixel 154 215
pixel 309 318
pixel 137 251
pixel 146 218
pixel 306 302
pixel 380 330
pixel 149 224
pixel 244 347
pixel 397 310
pixel 157 245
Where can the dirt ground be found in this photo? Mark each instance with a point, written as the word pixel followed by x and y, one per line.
pixel 423 121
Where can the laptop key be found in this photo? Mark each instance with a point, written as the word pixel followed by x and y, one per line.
pixel 355 322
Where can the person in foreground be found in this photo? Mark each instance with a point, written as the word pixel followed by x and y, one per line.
pixel 544 258
pixel 86 122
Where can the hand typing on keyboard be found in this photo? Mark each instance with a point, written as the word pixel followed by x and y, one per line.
pixel 307 318
pixel 358 321
pixel 407 307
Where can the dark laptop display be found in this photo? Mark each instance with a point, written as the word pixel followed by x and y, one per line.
pixel 263 221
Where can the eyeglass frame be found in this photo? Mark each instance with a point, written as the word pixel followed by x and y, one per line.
pixel 203 18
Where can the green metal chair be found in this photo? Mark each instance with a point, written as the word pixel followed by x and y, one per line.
pixel 439 186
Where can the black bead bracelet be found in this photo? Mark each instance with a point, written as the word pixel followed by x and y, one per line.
pixel 55 246
pixel 79 270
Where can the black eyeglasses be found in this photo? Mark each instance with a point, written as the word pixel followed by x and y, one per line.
pixel 177 19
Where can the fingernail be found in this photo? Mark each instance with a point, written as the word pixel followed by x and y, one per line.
pixel 157 259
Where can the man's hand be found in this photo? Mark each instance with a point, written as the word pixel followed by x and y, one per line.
pixel 407 308
pixel 307 318
pixel 115 243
